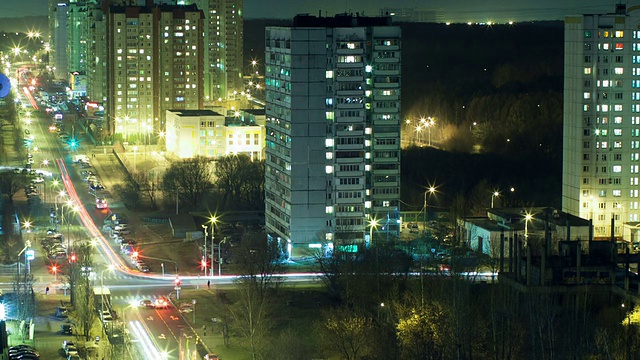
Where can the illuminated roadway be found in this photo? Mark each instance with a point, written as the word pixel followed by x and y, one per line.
pixel 155 333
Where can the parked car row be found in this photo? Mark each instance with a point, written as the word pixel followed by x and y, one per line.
pixel 23 352
pixel 140 264
pixel 54 247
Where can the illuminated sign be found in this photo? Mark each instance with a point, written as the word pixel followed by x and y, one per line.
pixel 30 254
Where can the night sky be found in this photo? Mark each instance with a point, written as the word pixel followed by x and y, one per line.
pixel 454 10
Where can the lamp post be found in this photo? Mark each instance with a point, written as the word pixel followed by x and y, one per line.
pixel 372 223
pixel 213 220
pixel 528 217
pixel 62 193
pixel 628 342
pixel 204 251
pixel 70 207
pixel 493 196
pixel 429 191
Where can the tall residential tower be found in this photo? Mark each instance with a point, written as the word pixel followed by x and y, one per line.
pixel 154 63
pixel 223 40
pixel 333 130
pixel 601 151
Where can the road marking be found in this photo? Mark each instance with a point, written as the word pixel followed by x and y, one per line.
pixel 162 337
pixel 174 318
pixel 150 318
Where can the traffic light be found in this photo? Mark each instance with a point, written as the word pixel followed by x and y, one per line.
pixel 177 282
pixel 134 255
pixel 54 269
pixel 203 263
pixel 73 258
pixel 73 144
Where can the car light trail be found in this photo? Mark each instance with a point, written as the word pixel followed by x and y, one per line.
pixel 150 350
pixel 30 98
pixel 87 221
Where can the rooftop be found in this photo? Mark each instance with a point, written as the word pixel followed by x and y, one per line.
pixel 195 112
pixel 340 20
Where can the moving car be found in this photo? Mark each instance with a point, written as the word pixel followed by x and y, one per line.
pixel 161 303
pixel 101 203
pixel 147 303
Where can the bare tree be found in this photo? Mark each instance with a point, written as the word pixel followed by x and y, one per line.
pixel 240 181
pixel 11 183
pixel 347 333
pixel 190 179
pixel 254 313
pixel 147 187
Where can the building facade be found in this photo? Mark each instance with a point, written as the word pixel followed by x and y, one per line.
pixel 333 130
pixel 154 63
pixel 59 40
pixel 223 53
pixel 207 133
pixel 96 55
pixel 601 146
pixel 77 35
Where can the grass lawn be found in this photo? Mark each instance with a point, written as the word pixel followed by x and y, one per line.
pixel 300 309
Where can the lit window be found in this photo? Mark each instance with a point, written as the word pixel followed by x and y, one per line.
pixel 328 169
pixel 328 142
pixel 587 95
pixel 368 68
pixel 329 209
pixel 587 71
pixel 617 168
pixel 617 192
pixel 619 71
pixel 329 74
pixel 329 155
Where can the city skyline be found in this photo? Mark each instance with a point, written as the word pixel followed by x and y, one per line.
pixel 458 11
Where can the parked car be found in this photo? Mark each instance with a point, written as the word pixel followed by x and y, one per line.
pixel 66 329
pixel 61 312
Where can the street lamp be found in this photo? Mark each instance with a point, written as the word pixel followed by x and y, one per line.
pixel 493 196
pixel 70 207
pixel 373 223
pixel 528 217
pixel 61 194
pixel 213 220
pixel 204 251
pixel 430 191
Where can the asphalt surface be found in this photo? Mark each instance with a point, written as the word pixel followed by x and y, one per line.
pixel 154 333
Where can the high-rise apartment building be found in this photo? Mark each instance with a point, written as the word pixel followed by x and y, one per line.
pixel 601 150
pixel 96 64
pixel 154 63
pixel 77 35
pixel 223 40
pixel 333 130
pixel 59 40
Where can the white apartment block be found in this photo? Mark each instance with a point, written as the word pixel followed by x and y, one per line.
pixel 154 63
pixel 333 131
pixel 207 133
pixel 601 150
